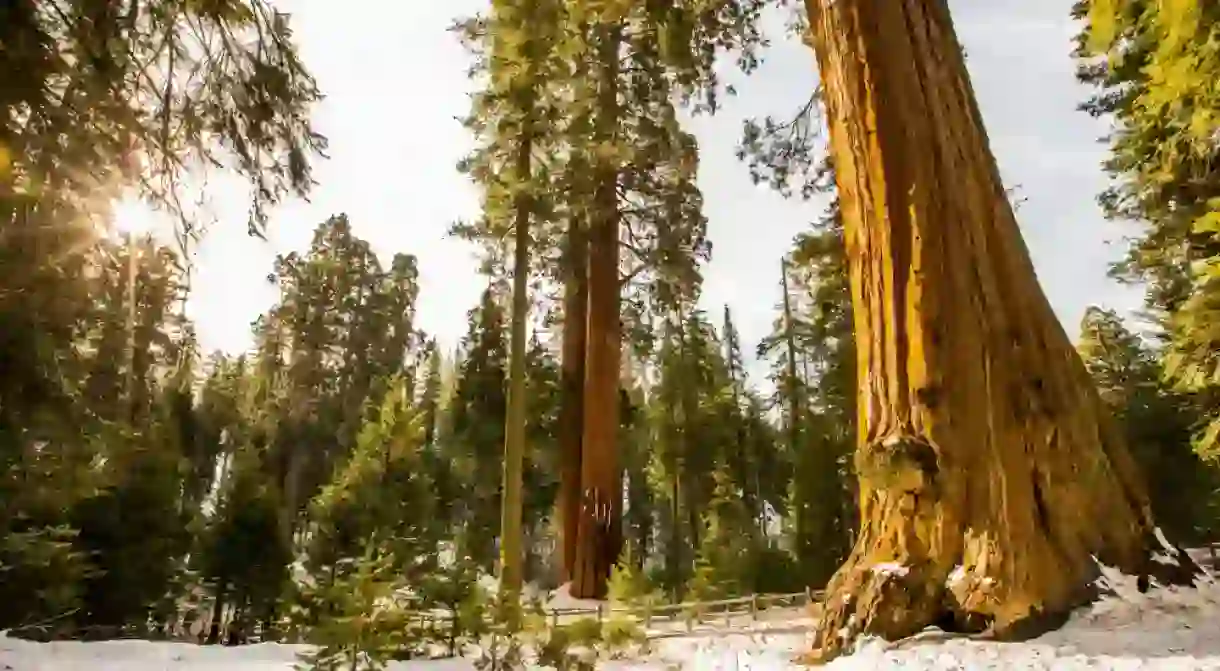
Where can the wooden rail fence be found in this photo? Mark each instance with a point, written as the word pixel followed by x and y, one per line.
pixel 691 611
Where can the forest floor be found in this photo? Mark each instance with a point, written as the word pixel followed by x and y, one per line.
pixel 1165 628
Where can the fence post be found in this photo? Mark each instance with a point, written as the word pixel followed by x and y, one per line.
pixel 728 613
pixel 554 619
pixel 599 613
pixel 808 595
pixel 754 607
pixel 647 614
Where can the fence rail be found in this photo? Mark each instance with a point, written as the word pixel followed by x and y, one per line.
pixel 646 615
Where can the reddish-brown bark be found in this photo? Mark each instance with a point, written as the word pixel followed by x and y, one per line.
pixel 990 476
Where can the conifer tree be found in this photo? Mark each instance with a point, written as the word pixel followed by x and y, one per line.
pixel 477 435
pixel 1151 65
pixel 242 556
pixel 1156 422
pixel 362 630
pixel 723 566
pixel 511 116
pixel 380 494
pixel 627 65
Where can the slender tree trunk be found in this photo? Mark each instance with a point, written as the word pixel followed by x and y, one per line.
pixel 675 556
pixel 290 508
pixel 571 411
pixel 514 429
pixel 692 494
pixel 130 385
pixel 795 406
pixel 988 471
pixel 744 462
pixel 601 502
pixel 431 393
pixel 796 419
pixel 216 626
pixel 637 515
pixel 674 551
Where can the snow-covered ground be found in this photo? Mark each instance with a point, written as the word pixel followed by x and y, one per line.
pixel 1163 629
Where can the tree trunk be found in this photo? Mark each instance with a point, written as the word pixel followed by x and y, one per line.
pixel 571 411
pixel 290 510
pixel 795 405
pixel 796 445
pixel 601 504
pixel 674 551
pixel 216 627
pixel 692 494
pixel 989 475
pixel 514 423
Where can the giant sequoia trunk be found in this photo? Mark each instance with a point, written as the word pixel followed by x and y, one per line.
pixel 597 545
pixel 597 541
pixel 571 412
pixel 989 476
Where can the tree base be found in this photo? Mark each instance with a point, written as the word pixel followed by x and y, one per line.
pixel 893 601
pixel 597 547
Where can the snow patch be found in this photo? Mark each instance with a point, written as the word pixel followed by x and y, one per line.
pixel 1162 558
pixel 890 568
pixel 562 598
pixel 1165 544
pixel 1164 629
pixel 1168 551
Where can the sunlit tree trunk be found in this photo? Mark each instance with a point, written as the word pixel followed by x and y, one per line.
pixel 571 412
pixel 597 545
pixel 511 553
pixel 989 475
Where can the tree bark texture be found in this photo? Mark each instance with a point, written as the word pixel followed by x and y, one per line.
pixel 990 476
pixel 597 544
pixel 571 412
pixel 600 505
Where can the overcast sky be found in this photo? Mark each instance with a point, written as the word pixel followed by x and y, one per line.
pixel 394 80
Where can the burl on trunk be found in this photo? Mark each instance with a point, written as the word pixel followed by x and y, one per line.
pixel 990 477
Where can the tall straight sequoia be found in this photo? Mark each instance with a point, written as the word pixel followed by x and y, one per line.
pixel 597 541
pixel 571 411
pixel 988 471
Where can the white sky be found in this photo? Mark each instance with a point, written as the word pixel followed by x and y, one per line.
pixel 394 80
